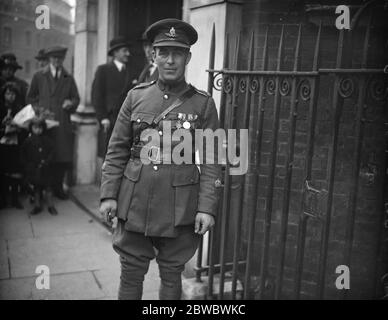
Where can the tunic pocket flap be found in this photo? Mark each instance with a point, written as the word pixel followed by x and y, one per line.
pixel 143 117
pixel 133 170
pixel 186 176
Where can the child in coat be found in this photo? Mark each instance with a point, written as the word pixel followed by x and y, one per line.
pixel 37 153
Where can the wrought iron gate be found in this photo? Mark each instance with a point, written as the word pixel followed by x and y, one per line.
pixel 316 137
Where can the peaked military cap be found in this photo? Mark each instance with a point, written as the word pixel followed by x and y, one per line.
pixel 171 32
pixel 56 51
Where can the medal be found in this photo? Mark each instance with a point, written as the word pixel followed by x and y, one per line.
pixel 186 125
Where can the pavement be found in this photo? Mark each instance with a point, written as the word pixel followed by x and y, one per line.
pixel 75 247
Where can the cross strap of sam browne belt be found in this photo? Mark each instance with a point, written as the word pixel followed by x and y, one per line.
pixel 178 102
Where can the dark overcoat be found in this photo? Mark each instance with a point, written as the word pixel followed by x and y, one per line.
pixel 109 89
pixel 10 154
pixel 36 155
pixel 50 94
pixel 156 199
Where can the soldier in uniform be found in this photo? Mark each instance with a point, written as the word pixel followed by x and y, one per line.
pixel 157 205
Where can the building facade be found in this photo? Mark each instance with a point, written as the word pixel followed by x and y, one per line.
pixel 314 100
pixel 20 35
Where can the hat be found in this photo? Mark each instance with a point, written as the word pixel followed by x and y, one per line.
pixel 118 43
pixel 41 55
pixel 172 32
pixel 9 60
pixel 56 51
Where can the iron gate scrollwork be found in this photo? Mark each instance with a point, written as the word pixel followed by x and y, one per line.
pixel 272 103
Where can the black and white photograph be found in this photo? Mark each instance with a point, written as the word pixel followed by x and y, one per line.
pixel 209 151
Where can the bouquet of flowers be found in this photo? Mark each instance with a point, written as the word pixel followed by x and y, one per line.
pixel 24 116
pixel 48 116
pixel 9 130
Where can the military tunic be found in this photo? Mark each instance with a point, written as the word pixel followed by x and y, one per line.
pixel 156 199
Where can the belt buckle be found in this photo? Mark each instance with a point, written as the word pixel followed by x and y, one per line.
pixel 151 154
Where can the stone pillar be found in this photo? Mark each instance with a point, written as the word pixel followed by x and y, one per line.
pixel 226 15
pixel 85 59
pixel 106 29
pixel 86 130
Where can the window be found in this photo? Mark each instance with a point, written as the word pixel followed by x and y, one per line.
pixel 27 67
pixel 28 38
pixel 7 36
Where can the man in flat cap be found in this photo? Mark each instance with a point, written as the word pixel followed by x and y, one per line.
pixel 54 90
pixel 110 86
pixel 161 207
pixel 9 66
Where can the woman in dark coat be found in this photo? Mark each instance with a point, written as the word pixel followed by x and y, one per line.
pixel 37 154
pixel 10 140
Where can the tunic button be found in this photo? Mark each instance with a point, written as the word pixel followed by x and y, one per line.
pixel 160 133
pixel 165 97
pixel 138 120
pixel 156 168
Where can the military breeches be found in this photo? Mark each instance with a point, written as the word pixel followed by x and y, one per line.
pixel 137 250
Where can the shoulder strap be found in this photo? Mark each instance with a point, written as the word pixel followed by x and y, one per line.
pixel 201 92
pixel 188 93
pixel 144 85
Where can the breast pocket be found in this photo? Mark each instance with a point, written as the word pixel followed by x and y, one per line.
pixel 140 122
pixel 186 186
pixel 131 177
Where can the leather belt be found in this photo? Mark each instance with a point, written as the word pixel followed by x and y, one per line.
pixel 153 154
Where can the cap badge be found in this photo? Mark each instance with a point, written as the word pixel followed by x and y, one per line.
pixel 171 33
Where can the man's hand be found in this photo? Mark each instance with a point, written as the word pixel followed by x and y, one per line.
pixel 203 222
pixel 67 104
pixel 108 208
pixel 105 124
